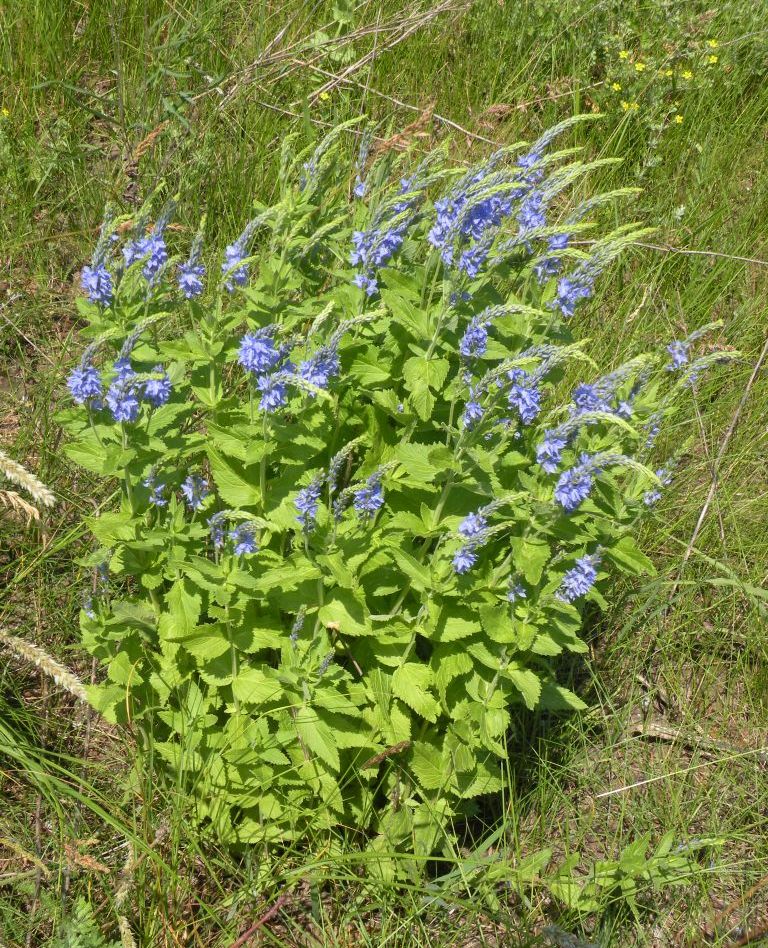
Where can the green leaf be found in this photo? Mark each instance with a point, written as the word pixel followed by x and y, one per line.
pixel 99 458
pixel 455 625
pixel 184 612
pixel 253 686
pixel 427 766
pixel 419 371
pixel 527 683
pixel 369 370
pixel 555 697
pixel 409 683
pixel 498 623
pixel 414 459
pixel 629 558
pixel 418 573
pixel 423 401
pixel 346 613
pixel 317 737
pixel 530 557
pixel 236 483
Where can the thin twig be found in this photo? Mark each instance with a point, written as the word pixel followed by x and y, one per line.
pixel 266 917
pixel 399 102
pixel 666 248
pixel 678 773
pixel 732 906
pixel 721 453
pixel 408 30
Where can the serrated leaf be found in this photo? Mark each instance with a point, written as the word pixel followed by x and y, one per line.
pixel 498 623
pixel 409 683
pixel 418 573
pixel 184 611
pixel 530 557
pixel 346 613
pixel 427 766
pixel 236 483
pixel 369 370
pixel 253 686
pixel 629 558
pixel 555 697
pixel 527 683
pixel 419 371
pixel 317 736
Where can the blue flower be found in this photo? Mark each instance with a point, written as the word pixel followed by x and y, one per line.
pixel 158 391
pixel 235 275
pixel 320 368
pixel 473 258
pixel 191 278
pixel 123 369
pixel 156 491
pixel 274 391
pixel 586 397
pixel 195 490
pixel 679 353
pixel 569 292
pixel 653 496
pixel 84 383
pixel 122 400
pixel 532 213
pixel 550 266
pixel 373 248
pixel 527 163
pixel 550 450
pixel 150 248
pixel 307 502
pixel 257 352
pixel 574 485
pixel 464 559
pixel 580 579
pixel 473 413
pixel 523 395
pixel 516 591
pixel 369 499
pixel 243 539
pixel 475 340
pixel 96 281
pixel 473 525
pixel 216 524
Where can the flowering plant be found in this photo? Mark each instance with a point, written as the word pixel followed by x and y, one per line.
pixel 360 509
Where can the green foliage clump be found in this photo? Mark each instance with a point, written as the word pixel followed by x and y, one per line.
pixel 359 510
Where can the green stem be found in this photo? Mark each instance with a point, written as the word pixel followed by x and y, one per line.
pixel 263 466
pixel 126 475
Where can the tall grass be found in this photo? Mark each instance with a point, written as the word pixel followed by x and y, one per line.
pixel 111 100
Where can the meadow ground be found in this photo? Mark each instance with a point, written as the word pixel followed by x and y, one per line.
pixel 101 101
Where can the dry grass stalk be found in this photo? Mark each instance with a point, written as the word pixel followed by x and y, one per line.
pixel 403 140
pixel 126 935
pixel 38 657
pixel 18 506
pixel 21 476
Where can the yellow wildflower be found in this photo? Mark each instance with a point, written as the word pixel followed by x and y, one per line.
pixel 624 54
pixel 712 60
pixel 669 73
pixel 713 44
pixel 679 119
pixel 687 74
pixel 4 112
pixel 325 96
pixel 639 67
pixel 629 106
pixel 616 86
